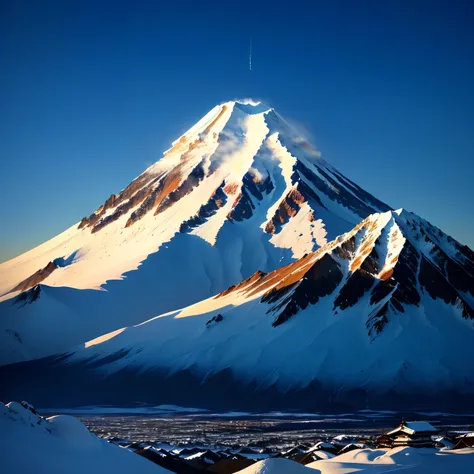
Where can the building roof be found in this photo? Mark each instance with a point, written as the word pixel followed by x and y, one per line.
pixel 412 427
pixel 322 445
pixel 464 441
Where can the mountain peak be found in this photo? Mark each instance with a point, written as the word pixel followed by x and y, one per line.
pixel 247 101
pixel 241 166
pixel 240 191
pixel 251 107
pixel 324 281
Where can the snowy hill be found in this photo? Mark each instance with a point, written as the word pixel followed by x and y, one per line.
pixel 375 461
pixel 240 191
pixel 277 466
pixel 403 459
pixel 59 444
pixel 380 317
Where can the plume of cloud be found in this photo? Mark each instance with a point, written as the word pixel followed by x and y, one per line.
pixel 248 101
pixel 301 136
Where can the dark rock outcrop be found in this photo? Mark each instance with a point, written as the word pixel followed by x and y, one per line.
pixel 215 319
pixel 252 186
pixel 28 297
pixel 216 201
pixel 320 280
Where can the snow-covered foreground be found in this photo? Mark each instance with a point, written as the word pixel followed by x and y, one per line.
pixel 376 461
pixel 276 466
pixel 60 444
pixel 403 459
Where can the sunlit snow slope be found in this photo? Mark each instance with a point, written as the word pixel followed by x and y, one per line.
pixel 238 192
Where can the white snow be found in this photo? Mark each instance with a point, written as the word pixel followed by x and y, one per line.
pixel 321 445
pixel 105 337
pixel 321 454
pixel 302 233
pixel 412 427
pixel 276 466
pixel 377 461
pixel 286 163
pixel 390 251
pixel 60 444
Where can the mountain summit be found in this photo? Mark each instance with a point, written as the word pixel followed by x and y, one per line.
pixel 240 191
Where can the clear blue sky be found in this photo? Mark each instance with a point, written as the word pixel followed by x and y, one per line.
pixel 93 92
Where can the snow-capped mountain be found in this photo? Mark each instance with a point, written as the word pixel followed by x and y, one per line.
pixel 380 317
pixel 240 191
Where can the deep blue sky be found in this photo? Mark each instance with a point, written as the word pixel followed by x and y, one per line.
pixel 93 92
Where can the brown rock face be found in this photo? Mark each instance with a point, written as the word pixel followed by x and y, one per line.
pixel 194 178
pixel 131 196
pixel 36 278
pixel 270 227
pixel 147 200
pixel 288 208
pixel 231 188
pixel 134 201
pixel 166 185
pixel 180 145
pixel 149 191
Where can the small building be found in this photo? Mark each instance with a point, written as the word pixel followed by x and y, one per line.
pixel 413 433
pixel 384 441
pixel 464 441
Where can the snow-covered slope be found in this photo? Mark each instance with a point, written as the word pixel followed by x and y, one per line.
pixel 403 459
pixel 381 315
pixel 277 466
pixel 375 461
pixel 31 444
pixel 238 192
